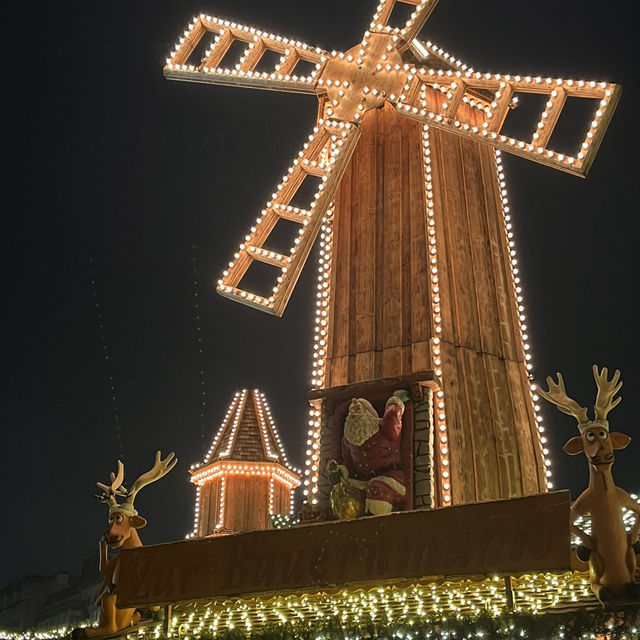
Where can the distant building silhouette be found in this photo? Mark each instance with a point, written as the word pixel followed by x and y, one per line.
pixel 51 601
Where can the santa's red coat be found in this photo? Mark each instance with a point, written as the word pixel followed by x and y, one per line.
pixel 380 453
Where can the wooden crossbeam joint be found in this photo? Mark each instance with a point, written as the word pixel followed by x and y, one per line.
pixel 453 103
pixel 251 56
pixel 289 63
pixel 314 169
pixel 219 49
pixel 549 117
pixel 293 214
pixel 500 108
pixel 267 257
pixel 247 298
pixel 190 43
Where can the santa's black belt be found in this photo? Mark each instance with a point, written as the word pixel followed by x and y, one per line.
pixel 381 472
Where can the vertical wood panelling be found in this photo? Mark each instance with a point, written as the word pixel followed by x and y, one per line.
pixel 213 498
pixel 381 314
pixel 532 467
pixel 503 292
pixel 502 419
pixel 203 516
pixel 462 453
pixel 363 219
pixel 282 494
pixel 479 421
pixel 454 224
pixel 405 246
pixel 482 268
pixel 389 258
pixel 338 352
pixel 379 276
pixel 503 431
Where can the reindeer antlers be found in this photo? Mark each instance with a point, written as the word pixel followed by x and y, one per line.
pixel 558 396
pixel 606 390
pixel 109 492
pixel 160 468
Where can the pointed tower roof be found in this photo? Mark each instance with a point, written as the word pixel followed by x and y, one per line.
pixel 248 432
pixel 245 477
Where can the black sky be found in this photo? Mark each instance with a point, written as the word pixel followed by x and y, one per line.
pixel 110 167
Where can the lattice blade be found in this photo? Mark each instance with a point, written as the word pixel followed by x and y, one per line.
pixel 325 155
pixel 422 11
pixel 212 66
pixel 491 95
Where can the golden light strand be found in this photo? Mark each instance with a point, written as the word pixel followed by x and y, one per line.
pixel 522 320
pixel 441 431
pixel 319 356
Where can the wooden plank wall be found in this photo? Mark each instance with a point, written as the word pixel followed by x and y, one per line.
pixel 491 408
pixel 379 257
pixel 281 499
pixel 246 503
pixel 381 322
pixel 209 495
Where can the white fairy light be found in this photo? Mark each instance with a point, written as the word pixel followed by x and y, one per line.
pixel 439 412
pixel 522 323
pixel 319 353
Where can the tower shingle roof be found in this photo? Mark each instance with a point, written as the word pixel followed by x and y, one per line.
pixel 248 432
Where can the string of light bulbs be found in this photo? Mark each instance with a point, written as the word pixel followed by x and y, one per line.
pixel 199 346
pixel 106 354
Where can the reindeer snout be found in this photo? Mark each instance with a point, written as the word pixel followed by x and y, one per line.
pixel 110 536
pixel 601 456
pixel 601 459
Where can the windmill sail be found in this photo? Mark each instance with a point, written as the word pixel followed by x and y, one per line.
pixel 212 65
pixel 434 97
pixel 434 89
pixel 324 156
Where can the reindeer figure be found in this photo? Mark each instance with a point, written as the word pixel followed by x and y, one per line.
pixel 611 551
pixel 121 533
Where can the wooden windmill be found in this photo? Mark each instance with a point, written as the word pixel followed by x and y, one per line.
pixel 417 254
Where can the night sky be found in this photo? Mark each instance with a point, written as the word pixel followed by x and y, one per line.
pixel 119 183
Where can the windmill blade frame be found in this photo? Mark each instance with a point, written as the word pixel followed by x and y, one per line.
pixel 244 73
pixel 492 95
pixel 351 83
pixel 380 20
pixel 325 155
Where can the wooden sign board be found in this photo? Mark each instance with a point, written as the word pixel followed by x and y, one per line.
pixel 520 535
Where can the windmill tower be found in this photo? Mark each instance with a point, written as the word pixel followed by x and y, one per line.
pixel 418 282
pixel 245 477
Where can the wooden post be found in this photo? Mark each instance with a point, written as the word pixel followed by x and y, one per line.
pixel 166 623
pixel 508 591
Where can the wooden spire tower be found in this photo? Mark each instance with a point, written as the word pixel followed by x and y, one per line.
pixel 245 477
pixel 417 264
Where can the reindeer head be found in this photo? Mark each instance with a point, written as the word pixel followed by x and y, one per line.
pixel 594 440
pixel 123 518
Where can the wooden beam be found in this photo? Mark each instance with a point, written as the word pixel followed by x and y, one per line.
pixel 511 536
pixel 549 117
pixel 416 23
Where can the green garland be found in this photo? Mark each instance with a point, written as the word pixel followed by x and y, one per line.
pixel 581 624
pixel 577 625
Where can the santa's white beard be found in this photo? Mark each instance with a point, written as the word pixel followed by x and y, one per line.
pixel 359 428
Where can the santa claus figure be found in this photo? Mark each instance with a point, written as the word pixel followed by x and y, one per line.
pixel 371 452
